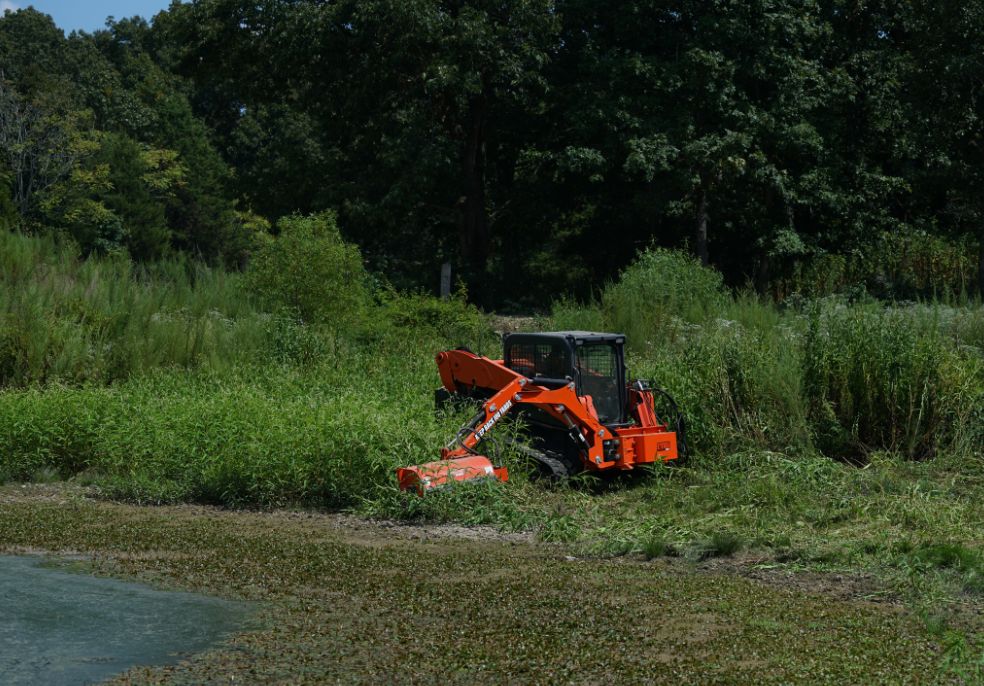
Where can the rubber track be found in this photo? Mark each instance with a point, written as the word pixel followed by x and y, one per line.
pixel 558 470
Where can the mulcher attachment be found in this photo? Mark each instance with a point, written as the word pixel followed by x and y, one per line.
pixel 427 477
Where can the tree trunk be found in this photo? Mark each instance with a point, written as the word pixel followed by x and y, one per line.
pixel 473 220
pixel 700 235
pixel 763 273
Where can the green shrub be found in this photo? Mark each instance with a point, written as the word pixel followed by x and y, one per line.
pixel 568 315
pixel 49 429
pixel 310 270
pixel 451 319
pixel 660 286
pixel 328 432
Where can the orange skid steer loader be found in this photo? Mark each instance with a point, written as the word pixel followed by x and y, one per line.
pixel 570 388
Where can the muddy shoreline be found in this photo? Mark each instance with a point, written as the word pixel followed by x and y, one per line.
pixel 351 601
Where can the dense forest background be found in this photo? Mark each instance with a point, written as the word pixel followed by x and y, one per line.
pixel 535 144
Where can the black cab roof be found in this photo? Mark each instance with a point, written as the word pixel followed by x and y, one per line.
pixel 577 337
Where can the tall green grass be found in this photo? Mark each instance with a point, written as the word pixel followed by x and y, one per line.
pixel 169 382
pixel 175 381
pixel 73 320
pixel 892 379
pixel 830 375
pixel 273 439
pixel 326 432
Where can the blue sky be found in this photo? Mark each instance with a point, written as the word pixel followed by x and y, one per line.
pixel 88 15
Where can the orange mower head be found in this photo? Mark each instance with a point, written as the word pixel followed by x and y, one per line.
pixel 426 477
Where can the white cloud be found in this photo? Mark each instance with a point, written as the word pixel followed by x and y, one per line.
pixel 7 6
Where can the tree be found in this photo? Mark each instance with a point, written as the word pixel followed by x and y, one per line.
pixel 689 117
pixel 38 148
pixel 310 271
pixel 406 105
pixel 146 235
pixel 69 93
pixel 8 211
pixel 945 95
pixel 462 79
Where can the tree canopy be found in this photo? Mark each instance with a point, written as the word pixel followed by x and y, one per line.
pixel 535 144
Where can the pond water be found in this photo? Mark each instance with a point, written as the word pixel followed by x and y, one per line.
pixel 63 628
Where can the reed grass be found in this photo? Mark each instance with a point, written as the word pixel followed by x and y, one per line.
pixel 172 383
pixel 831 375
pixel 64 319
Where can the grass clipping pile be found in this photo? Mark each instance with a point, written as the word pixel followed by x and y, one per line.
pixel 359 603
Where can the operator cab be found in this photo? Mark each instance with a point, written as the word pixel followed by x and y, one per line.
pixel 595 362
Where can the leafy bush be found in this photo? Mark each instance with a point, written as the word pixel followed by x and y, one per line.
pixel 310 270
pixel 659 286
pixel 419 314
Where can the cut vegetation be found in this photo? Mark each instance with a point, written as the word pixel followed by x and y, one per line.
pixel 356 603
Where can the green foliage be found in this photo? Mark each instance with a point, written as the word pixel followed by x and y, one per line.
pixel 659 286
pixel 72 320
pixel 948 556
pixel 416 313
pixel 738 388
pixel 8 211
pixel 963 660
pixel 898 265
pixel 327 434
pixel 888 379
pixel 842 378
pixel 165 383
pixel 549 139
pixel 310 270
pixel 131 182
pixel 102 144
pixel 654 547
pixel 569 315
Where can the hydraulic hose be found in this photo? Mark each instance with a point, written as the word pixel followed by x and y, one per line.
pixel 459 438
pixel 680 423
